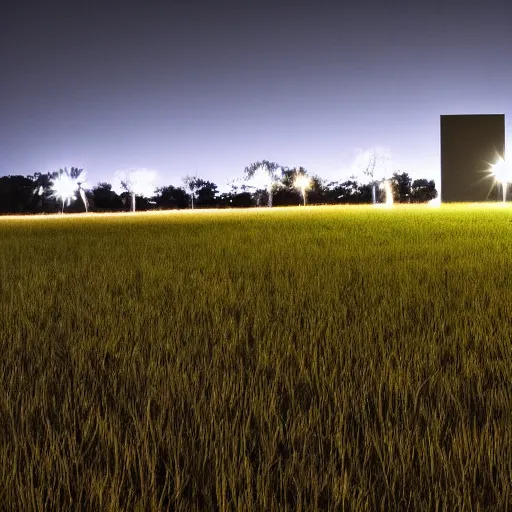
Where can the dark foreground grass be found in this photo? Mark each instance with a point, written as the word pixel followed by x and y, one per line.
pixel 298 359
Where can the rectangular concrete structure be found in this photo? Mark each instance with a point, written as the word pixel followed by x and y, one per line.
pixel 469 145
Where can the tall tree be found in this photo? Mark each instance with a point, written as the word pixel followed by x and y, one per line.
pixel 318 191
pixel 346 192
pixel 42 190
pixel 401 185
pixel 271 172
pixel 137 182
pixel 284 192
pixel 206 193
pixel 16 194
pixel 128 187
pixel 191 185
pixel 105 198
pixel 372 163
pixel 80 178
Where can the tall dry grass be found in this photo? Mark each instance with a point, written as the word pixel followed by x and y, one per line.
pixel 295 359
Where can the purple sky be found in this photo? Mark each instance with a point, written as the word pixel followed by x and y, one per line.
pixel 208 87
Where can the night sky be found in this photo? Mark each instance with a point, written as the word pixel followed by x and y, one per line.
pixel 206 87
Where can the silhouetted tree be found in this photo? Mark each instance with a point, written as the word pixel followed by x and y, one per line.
pixel 171 197
pixel 287 193
pixel 346 192
pixel 43 193
pixel 288 176
pixel 206 193
pixel 34 193
pixel 16 194
pixel 237 197
pixel 105 198
pixel 423 190
pixel 401 185
pixel 242 200
pixel 318 191
pixel 364 193
pixel 79 175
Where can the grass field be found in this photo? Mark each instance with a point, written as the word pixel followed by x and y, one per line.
pixel 319 358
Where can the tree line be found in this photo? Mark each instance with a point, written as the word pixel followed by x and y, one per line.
pixel 37 193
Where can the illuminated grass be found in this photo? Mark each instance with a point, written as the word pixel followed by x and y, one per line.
pixel 309 358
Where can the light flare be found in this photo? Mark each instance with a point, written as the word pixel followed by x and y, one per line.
pixel 302 182
pixel 502 173
pixel 84 197
pixel 64 188
pixel 140 182
pixel 82 186
pixel 388 191
pixel 262 179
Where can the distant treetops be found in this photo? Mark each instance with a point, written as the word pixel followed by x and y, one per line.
pixel 264 183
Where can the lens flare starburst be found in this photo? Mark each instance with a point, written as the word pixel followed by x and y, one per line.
pixel 64 188
pixel 502 173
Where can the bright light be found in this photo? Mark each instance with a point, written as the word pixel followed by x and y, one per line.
pixel 261 179
pixel 388 190
pixel 82 186
pixel 502 174
pixel 64 188
pixel 501 171
pixel 84 198
pixel 302 182
pixel 265 179
pixel 389 193
pixel 143 182
pixel 371 163
pixel 140 182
